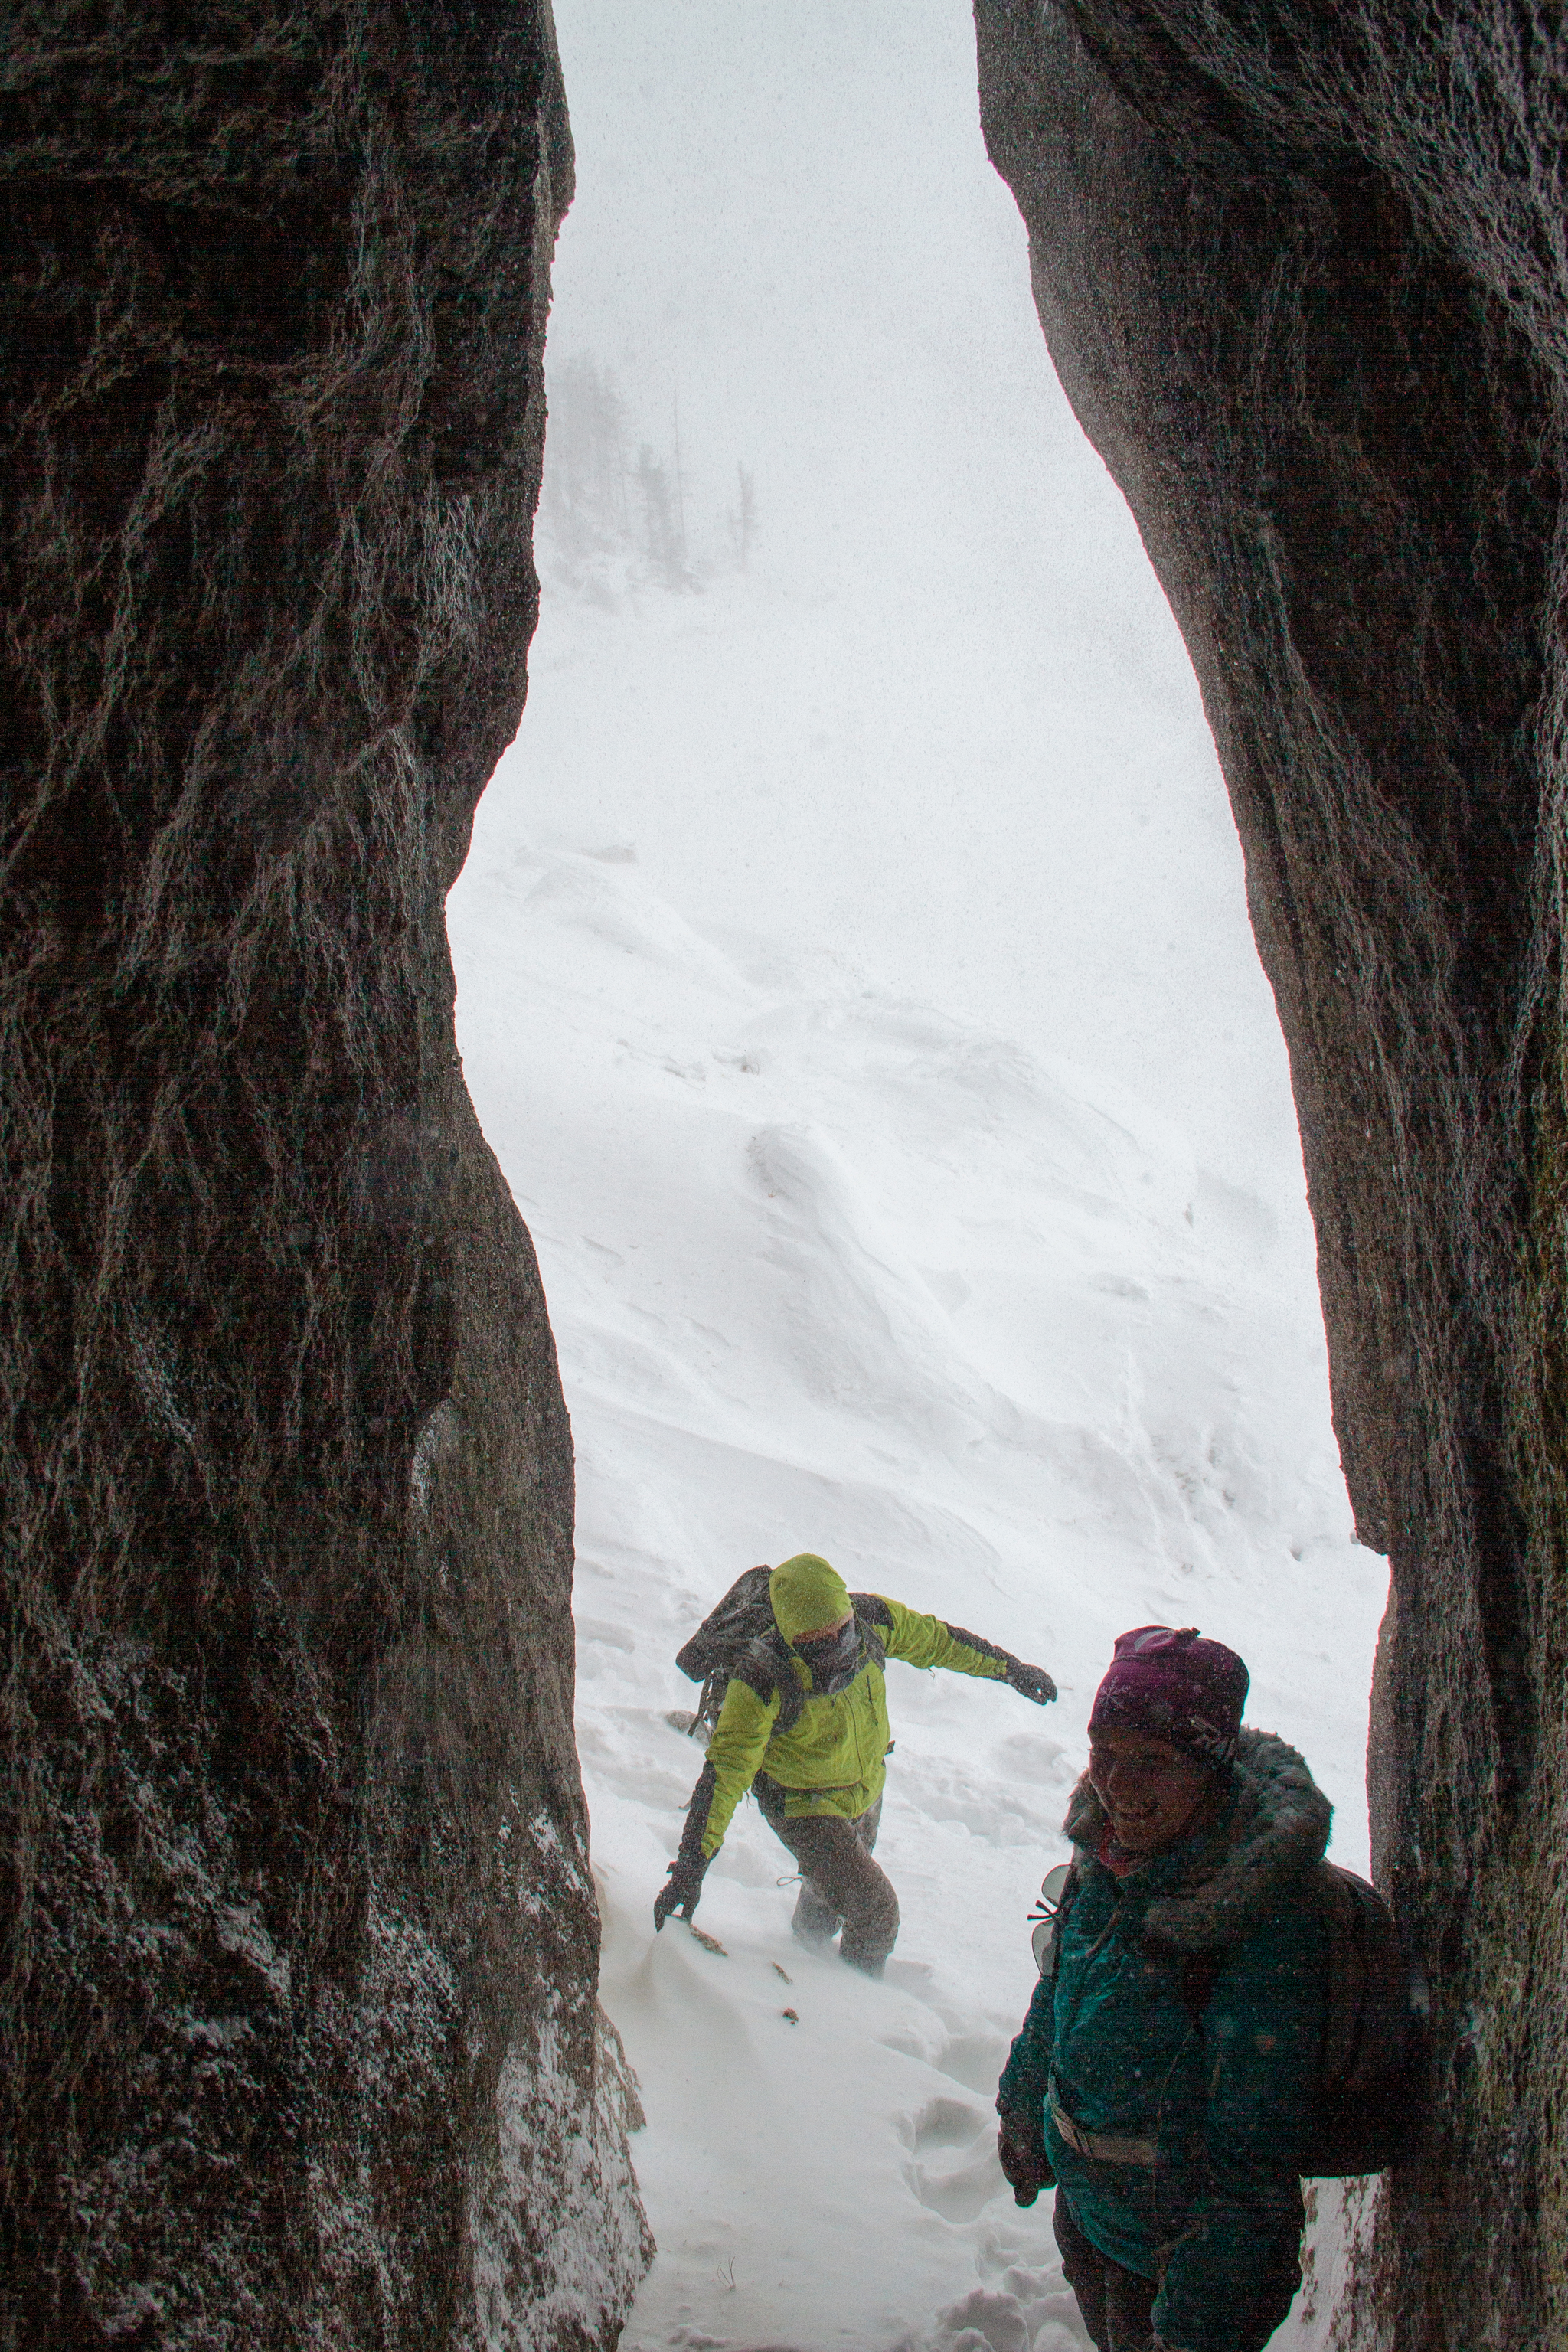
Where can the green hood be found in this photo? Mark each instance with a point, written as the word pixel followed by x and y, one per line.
pixel 807 1596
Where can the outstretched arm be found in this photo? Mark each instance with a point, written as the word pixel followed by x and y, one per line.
pixel 738 1746
pixel 922 1641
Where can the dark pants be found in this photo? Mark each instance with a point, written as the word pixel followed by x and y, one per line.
pixel 842 1887
pixel 1117 2304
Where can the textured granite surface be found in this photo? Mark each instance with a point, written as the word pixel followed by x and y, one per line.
pixel 298 2025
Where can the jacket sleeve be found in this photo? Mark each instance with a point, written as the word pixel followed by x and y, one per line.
pixel 1262 2033
pixel 930 1642
pixel 740 1742
pixel 1021 2093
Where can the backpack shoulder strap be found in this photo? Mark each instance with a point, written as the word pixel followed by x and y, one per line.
pixel 1346 1979
pixel 1366 2025
pixel 766 1666
pixel 1346 1972
pixel 1065 1902
pixel 875 1618
pixel 1196 1973
pixel 1340 1906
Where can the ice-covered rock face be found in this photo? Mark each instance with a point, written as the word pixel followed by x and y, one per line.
pixel 1302 274
pixel 297 2030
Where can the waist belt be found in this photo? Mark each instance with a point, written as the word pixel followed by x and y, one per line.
pixel 1105 2147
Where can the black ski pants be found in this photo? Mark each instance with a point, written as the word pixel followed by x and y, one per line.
pixel 841 1887
pixel 1118 2304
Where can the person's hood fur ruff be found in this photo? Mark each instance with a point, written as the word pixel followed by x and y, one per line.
pixel 1278 1827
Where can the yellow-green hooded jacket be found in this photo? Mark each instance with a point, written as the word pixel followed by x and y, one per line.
pixel 829 1759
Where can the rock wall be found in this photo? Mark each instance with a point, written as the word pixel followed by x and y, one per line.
pixel 298 2030
pixel 1301 269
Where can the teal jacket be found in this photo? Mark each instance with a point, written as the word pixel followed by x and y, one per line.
pixel 1227 2103
pixel 831 1759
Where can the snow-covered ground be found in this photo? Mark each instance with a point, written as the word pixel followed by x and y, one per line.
pixel 830 1270
pixel 855 986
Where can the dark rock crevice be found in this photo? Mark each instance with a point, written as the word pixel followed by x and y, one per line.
pixel 297 2020
pixel 1301 273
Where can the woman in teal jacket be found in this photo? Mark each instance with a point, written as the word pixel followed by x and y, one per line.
pixel 1165 2072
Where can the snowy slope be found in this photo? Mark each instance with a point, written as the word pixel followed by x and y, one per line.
pixel 830 1270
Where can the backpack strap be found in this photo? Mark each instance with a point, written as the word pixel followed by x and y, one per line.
pixel 1197 1972
pixel 712 1699
pixel 874 1618
pixel 1348 1972
pixel 766 1666
pixel 1065 1902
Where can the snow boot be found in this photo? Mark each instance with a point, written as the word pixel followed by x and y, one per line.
pixel 816 1923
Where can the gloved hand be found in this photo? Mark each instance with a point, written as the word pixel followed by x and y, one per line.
pixel 681 1889
pixel 1032 1681
pixel 1021 2153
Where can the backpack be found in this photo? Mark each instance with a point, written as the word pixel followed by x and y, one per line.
pixel 1368 2082
pixel 741 1637
pixel 1365 2113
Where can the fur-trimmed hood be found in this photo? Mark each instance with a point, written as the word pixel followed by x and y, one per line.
pixel 1277 1828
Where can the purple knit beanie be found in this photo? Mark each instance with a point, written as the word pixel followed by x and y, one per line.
pixel 1177 1686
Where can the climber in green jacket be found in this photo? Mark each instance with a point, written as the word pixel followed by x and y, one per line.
pixel 819 1780
pixel 1165 2072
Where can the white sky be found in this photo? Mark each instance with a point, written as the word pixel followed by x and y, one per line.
pixel 949 730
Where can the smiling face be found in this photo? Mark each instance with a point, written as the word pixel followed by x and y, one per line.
pixel 1151 1791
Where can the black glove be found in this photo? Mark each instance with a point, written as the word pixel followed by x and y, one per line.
pixel 1021 2153
pixel 1032 1681
pixel 680 1890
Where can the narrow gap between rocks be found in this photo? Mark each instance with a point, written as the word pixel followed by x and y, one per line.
pixel 856 986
